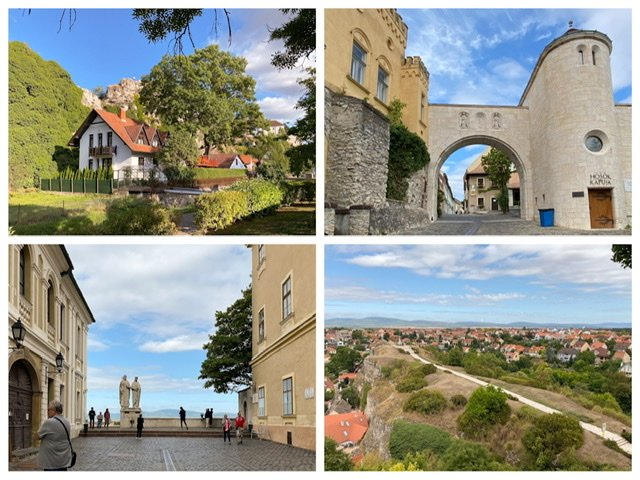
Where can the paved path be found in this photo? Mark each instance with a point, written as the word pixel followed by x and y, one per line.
pixel 499 224
pixel 622 443
pixel 182 454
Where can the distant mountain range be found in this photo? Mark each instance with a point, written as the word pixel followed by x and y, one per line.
pixel 386 322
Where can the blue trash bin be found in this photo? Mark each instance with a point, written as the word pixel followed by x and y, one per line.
pixel 546 217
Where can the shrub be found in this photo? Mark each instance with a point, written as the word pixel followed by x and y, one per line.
pixel 262 196
pixel 220 209
pixel 407 438
pixel 411 383
pixel 425 402
pixel 528 414
pixel 458 401
pixel 626 435
pixel 468 456
pixel 394 369
pixel 335 460
pixel 298 191
pixel 487 407
pixel 549 436
pixel 407 154
pixel 133 216
pixel 351 395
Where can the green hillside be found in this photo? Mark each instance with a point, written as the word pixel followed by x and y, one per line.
pixel 44 111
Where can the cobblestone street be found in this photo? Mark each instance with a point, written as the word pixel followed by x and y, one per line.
pixel 499 224
pixel 181 454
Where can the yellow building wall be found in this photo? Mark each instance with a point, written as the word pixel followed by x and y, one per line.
pixel 383 35
pixel 288 347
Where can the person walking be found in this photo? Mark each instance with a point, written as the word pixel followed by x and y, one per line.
pixel 55 446
pixel 211 418
pixel 183 418
pixel 239 428
pixel 100 417
pixel 107 418
pixel 92 418
pixel 140 426
pixel 226 429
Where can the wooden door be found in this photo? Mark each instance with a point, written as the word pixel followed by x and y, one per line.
pixel 601 208
pixel 20 395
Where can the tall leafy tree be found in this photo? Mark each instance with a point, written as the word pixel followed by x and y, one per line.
pixel 299 36
pixel 207 92
pixel 227 366
pixel 499 168
pixel 303 157
pixel 179 156
pixel 622 255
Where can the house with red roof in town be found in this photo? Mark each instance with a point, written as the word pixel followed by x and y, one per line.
pixel 229 160
pixel 347 429
pixel 109 140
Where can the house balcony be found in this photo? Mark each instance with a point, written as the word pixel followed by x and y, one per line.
pixel 103 151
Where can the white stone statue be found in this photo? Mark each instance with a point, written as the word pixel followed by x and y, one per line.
pixel 124 392
pixel 135 393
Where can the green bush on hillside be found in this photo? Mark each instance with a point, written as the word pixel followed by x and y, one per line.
pixel 486 408
pixel 549 436
pixel 408 438
pixel 426 402
pixel 468 456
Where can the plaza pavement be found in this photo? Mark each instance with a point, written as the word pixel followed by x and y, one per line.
pixel 181 454
pixel 499 224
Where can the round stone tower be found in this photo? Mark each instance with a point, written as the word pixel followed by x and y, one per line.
pixel 574 133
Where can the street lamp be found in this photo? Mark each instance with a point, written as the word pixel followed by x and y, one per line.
pixel 59 362
pixel 19 332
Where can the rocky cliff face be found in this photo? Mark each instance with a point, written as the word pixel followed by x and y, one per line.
pixel 377 437
pixel 120 94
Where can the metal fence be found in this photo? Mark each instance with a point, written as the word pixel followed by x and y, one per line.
pixel 76 186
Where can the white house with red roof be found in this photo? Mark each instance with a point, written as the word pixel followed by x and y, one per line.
pixel 117 141
pixel 228 160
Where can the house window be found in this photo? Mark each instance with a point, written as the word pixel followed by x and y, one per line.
pixel 480 202
pixel 78 342
pixel 140 140
pixel 287 396
pixel 261 325
pixel 91 141
pixel 99 140
pixel 262 411
pixel 422 108
pixel 141 161
pixel 383 85
pixel 91 164
pixel 62 309
pixel 262 255
pixel 287 307
pixel 109 138
pixel 50 304
pixel 358 63
pixel 480 182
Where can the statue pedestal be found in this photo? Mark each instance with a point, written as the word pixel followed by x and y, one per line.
pixel 129 417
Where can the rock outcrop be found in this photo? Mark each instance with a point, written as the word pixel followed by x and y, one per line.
pixel 120 94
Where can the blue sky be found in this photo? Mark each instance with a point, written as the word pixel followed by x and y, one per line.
pixel 557 283
pixel 486 56
pixel 154 307
pixel 104 45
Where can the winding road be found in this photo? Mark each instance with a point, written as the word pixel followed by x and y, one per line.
pixel 601 432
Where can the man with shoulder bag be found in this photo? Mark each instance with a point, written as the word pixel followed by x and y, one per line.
pixel 56 451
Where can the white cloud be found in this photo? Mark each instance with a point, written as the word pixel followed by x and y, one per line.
pixel 163 292
pixel 180 343
pixel 281 108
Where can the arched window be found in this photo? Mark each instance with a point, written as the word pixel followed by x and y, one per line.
pixel 581 50
pixel 595 53
pixel 50 304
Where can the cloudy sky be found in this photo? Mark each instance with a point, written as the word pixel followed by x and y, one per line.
pixel 154 308
pixel 486 56
pixel 97 54
pixel 484 283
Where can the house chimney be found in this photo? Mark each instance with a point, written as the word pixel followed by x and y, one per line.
pixel 123 114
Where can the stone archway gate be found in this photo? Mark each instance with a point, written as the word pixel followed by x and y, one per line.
pixel 455 126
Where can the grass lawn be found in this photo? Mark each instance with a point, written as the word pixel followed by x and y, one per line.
pixel 207 173
pixel 51 213
pixel 299 219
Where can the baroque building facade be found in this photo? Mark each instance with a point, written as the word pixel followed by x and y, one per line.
pixel 281 402
pixel 45 298
pixel 569 142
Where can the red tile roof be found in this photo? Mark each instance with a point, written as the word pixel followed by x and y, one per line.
pixel 224 160
pixel 346 427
